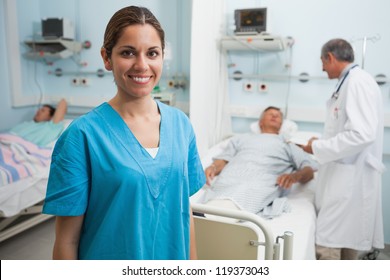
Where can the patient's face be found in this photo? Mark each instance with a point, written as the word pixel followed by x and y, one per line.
pixel 42 115
pixel 271 122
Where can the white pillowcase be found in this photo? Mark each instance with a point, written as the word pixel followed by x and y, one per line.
pixel 288 128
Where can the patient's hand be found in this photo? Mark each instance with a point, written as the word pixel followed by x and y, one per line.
pixel 286 180
pixel 302 176
pixel 214 169
pixel 210 173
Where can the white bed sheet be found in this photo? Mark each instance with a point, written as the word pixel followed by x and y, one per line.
pixel 17 196
pixel 300 221
pixel 23 194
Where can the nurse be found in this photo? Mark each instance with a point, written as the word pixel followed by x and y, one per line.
pixel 348 194
pixel 121 175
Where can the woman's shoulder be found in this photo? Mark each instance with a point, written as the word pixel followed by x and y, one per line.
pixel 172 111
pixel 90 116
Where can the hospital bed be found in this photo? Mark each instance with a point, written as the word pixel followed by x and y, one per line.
pixel 249 236
pixel 21 201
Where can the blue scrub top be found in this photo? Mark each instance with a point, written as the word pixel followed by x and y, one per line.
pixel 135 207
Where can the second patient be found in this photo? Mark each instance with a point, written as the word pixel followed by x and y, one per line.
pixel 255 170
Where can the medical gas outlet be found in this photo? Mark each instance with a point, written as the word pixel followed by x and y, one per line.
pixel 249 87
pixel 262 87
pixel 80 81
pixel 252 87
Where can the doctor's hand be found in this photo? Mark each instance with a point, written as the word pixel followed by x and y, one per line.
pixel 308 148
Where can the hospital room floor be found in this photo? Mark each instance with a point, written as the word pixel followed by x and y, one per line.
pixel 37 244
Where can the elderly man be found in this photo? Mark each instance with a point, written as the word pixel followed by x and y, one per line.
pixel 256 169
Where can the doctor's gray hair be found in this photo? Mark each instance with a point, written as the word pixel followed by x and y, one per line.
pixel 340 48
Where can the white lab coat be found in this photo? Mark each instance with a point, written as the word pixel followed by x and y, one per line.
pixel 348 193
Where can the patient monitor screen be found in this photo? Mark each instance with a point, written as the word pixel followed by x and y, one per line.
pixel 251 20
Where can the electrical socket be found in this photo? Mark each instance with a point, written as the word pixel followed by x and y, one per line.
pixel 75 81
pixel 263 87
pixel 249 87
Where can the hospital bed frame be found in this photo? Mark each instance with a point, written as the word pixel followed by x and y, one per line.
pixel 224 239
pixel 27 218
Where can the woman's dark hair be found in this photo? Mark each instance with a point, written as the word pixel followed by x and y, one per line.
pixel 125 17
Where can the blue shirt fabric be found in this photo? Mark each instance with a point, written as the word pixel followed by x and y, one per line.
pixel 135 207
pixel 39 133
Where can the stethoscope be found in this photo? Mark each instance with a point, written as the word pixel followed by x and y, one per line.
pixel 336 94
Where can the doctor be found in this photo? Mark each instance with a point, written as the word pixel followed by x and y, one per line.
pixel 348 194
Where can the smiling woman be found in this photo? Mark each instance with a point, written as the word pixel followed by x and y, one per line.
pixel 122 175
pixel 136 61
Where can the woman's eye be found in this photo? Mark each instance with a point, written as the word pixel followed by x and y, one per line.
pixel 153 53
pixel 127 53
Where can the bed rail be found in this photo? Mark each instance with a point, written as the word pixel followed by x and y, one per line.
pixel 27 218
pixel 271 247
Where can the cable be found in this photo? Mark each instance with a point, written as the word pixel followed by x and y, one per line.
pixel 289 81
pixel 40 100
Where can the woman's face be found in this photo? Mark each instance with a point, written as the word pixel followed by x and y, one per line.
pixel 136 61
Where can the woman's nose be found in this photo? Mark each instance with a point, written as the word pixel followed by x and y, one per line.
pixel 141 63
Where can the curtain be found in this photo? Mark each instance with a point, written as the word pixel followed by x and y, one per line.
pixel 209 99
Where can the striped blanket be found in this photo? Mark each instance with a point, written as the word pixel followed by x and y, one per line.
pixel 20 158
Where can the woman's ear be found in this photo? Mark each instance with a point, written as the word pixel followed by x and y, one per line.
pixel 106 59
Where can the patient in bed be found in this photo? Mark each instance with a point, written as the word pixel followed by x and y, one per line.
pixel 255 171
pixel 46 126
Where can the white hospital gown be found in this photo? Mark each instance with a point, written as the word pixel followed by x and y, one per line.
pixel 254 163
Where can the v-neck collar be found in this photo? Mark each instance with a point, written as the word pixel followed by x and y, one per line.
pixel 124 132
pixel 156 170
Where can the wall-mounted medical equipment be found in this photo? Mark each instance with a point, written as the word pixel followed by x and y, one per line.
pixel 57 41
pixel 53 49
pixel 250 21
pixel 57 28
pixel 259 42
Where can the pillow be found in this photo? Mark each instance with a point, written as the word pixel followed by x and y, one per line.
pixel 288 128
